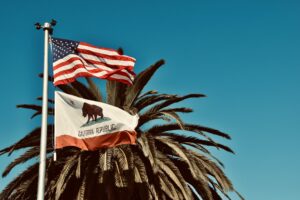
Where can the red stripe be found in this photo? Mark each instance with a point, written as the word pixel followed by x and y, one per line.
pixel 69 61
pixel 90 74
pixel 111 57
pixel 107 49
pixel 95 70
pixel 74 68
pixel 108 65
pixel 94 143
pixel 130 67
pixel 85 74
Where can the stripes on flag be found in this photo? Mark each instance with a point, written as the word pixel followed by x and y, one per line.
pixel 76 59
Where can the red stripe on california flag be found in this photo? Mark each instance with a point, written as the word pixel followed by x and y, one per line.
pixel 93 143
pixel 111 57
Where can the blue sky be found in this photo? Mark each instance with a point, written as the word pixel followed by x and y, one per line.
pixel 244 55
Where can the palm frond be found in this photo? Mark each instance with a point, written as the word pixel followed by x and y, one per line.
pixel 30 140
pixel 83 90
pixel 116 93
pixel 172 101
pixel 50 78
pixel 38 109
pixel 49 100
pixel 29 154
pixel 147 93
pixel 188 127
pixel 168 187
pixel 139 83
pixel 94 89
pixel 142 103
pixel 65 175
pixel 193 140
pixel 82 189
pixel 178 151
pixel 69 90
pixel 13 185
pixel 147 146
pixel 140 173
pixel 167 167
pixel 164 115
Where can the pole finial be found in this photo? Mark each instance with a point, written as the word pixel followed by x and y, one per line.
pixel 47 26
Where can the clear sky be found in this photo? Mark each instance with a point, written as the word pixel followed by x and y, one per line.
pixel 244 55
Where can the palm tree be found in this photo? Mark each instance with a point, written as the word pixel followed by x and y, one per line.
pixel 165 164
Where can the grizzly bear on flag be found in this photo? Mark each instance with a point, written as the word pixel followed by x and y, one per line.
pixel 92 111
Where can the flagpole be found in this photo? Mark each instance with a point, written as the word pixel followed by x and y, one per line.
pixel 47 27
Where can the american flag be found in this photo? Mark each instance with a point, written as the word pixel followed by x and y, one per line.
pixel 72 59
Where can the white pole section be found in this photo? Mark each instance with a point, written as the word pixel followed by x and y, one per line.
pixel 43 144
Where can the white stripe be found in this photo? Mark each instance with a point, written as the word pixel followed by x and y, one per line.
pixel 99 66
pixel 66 58
pixel 108 61
pixel 129 75
pixel 74 73
pixel 70 66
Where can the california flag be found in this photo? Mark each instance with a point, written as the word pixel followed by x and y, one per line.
pixel 90 125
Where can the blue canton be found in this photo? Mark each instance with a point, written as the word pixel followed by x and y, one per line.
pixel 62 48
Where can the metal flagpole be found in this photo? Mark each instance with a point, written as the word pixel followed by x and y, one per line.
pixel 47 27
